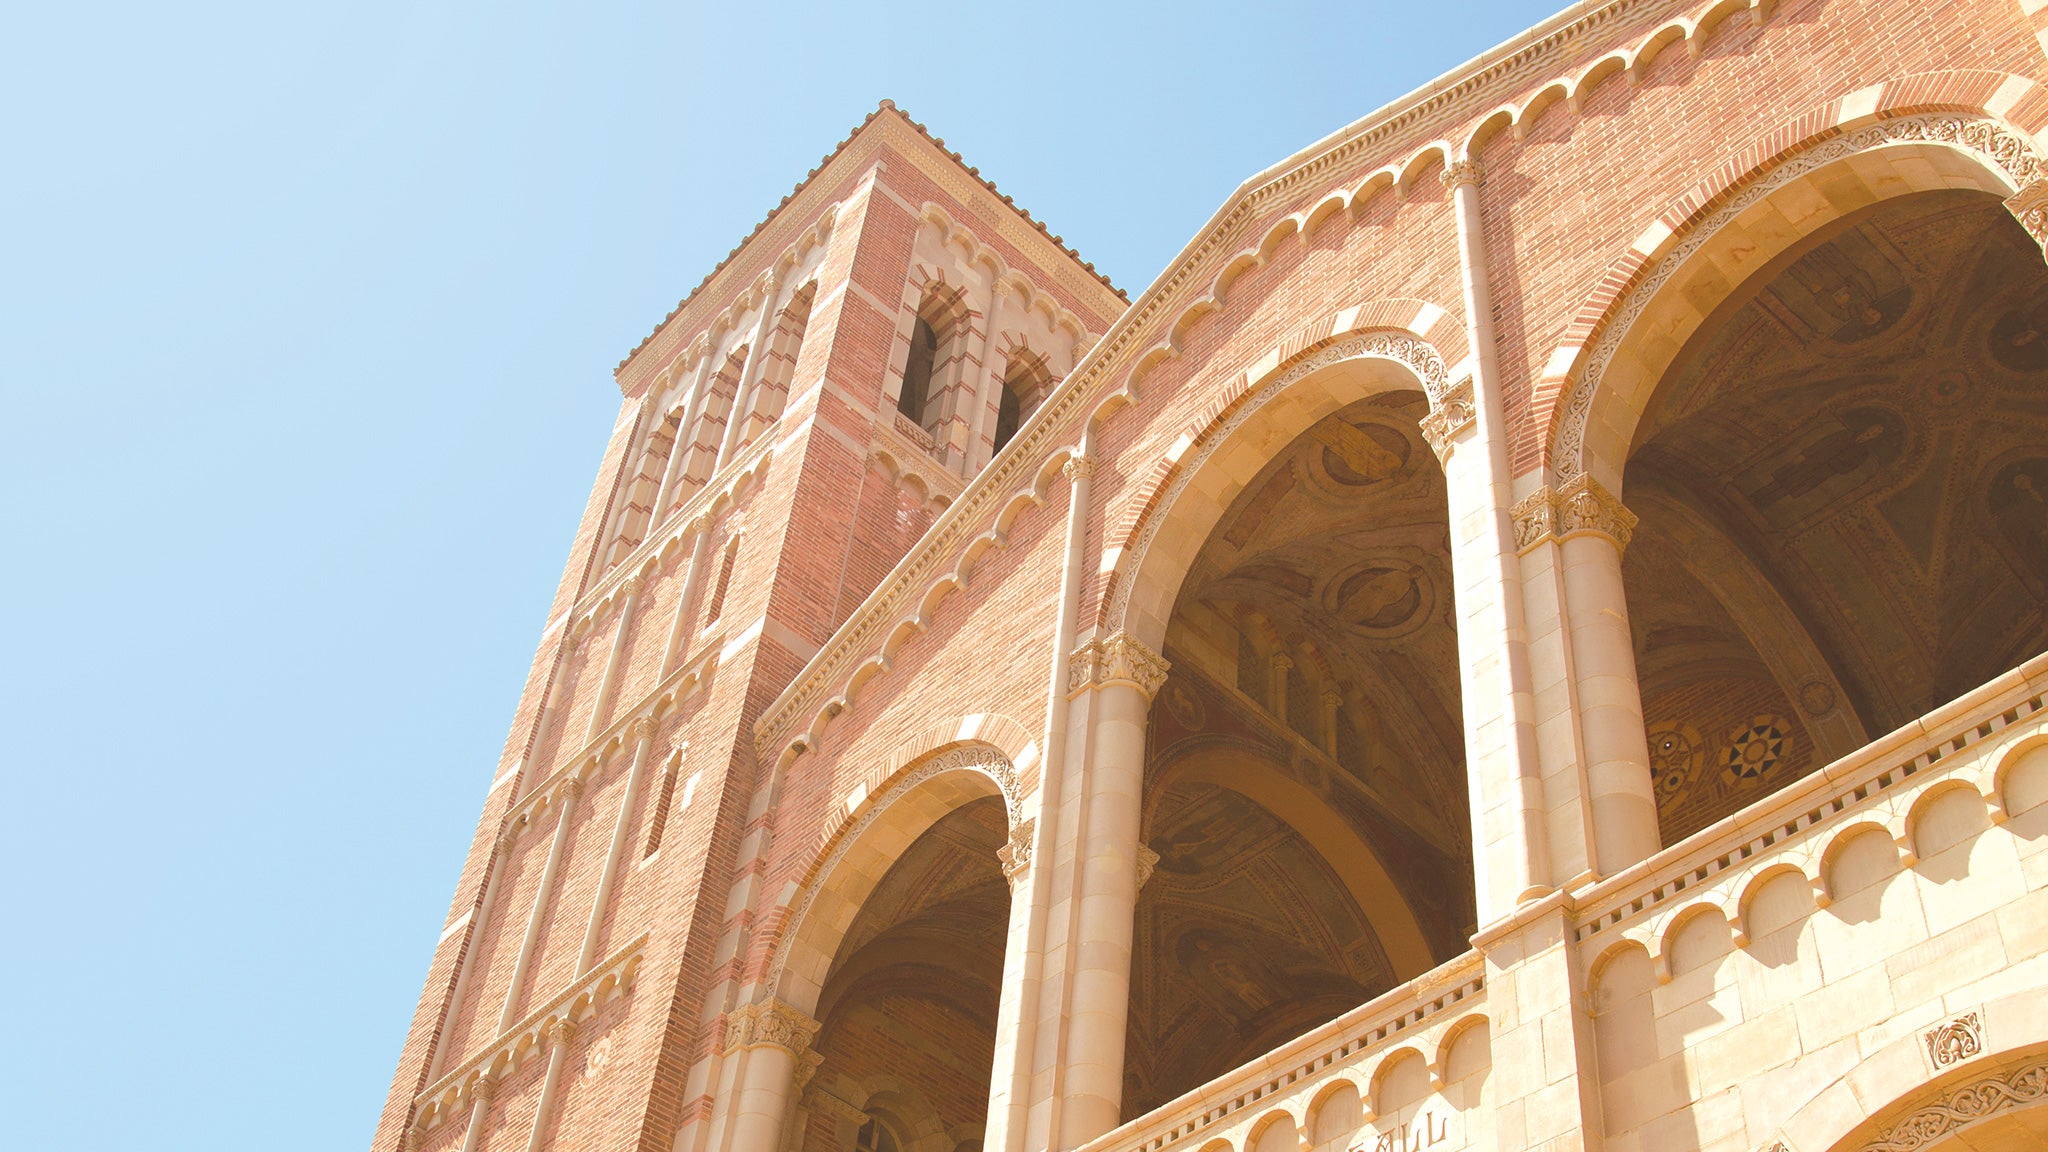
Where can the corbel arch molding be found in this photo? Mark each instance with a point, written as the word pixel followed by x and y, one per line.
pixel 1756 206
pixel 1348 362
pixel 856 852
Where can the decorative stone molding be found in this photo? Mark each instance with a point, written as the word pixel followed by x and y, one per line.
pixel 1449 416
pixel 2029 206
pixel 1147 861
pixel 1078 467
pixel 770 1021
pixel 2017 1088
pixel 980 758
pixel 1955 1041
pixel 1461 172
pixel 1582 505
pixel 807 1066
pixel 640 728
pixel 562 1032
pixel 1993 142
pixel 1119 659
pixel 1016 854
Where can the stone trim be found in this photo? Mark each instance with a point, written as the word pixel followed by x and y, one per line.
pixel 2002 1092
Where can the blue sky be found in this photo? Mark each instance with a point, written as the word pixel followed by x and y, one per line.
pixel 307 322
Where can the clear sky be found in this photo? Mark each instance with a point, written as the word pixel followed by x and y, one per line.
pixel 307 321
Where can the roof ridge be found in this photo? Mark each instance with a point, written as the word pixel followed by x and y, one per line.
pixel 886 105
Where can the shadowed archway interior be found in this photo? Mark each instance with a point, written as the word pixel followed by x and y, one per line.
pixel 1843 485
pixel 909 1011
pixel 1311 721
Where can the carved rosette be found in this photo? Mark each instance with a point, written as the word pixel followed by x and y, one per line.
pixel 2030 207
pixel 1583 505
pixel 1448 417
pixel 1146 862
pixel 1015 856
pixel 1118 659
pixel 1461 172
pixel 770 1022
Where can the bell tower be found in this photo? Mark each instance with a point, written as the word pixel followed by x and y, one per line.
pixel 807 413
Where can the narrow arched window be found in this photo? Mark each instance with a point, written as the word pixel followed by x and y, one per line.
pixel 917 371
pixel 1026 380
pixel 1009 410
pixel 717 604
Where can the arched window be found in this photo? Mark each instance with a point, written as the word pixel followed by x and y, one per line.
pixel 1026 380
pixel 717 604
pixel 917 371
pixel 876 1136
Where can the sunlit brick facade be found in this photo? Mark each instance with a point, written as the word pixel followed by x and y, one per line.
pixel 1528 634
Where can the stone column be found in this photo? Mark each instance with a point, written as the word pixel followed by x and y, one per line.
pixel 1468 429
pixel 479 1112
pixel 561 1034
pixel 1022 1081
pixel 771 1037
pixel 641 733
pixel 678 645
pixel 464 963
pixel 986 389
pixel 1122 675
pixel 1578 534
pixel 609 684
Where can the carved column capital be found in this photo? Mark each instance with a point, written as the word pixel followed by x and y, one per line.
pixel 770 1022
pixel 1459 172
pixel 1117 659
pixel 2030 207
pixel 480 1089
pixel 1447 418
pixel 1015 855
pixel 1146 862
pixel 562 1032
pixel 640 728
pixel 1583 505
pixel 1079 467
pixel 631 586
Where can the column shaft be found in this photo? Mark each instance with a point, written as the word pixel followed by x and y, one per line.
pixel 743 393
pixel 1617 750
pixel 685 432
pixel 621 829
pixel 557 848
pixel 678 637
pixel 610 682
pixel 559 1038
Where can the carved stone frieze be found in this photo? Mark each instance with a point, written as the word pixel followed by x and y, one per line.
pixel 1117 659
pixel 770 1021
pixel 2030 207
pixel 2017 1088
pixel 1448 416
pixel 1016 854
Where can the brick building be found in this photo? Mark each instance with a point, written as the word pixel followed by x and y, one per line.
pixel 1527 635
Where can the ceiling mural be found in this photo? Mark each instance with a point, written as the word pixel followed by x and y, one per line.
pixel 1843 485
pixel 1313 651
pixel 909 1011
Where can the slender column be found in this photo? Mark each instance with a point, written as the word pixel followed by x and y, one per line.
pixel 771 1037
pixel 1017 1013
pixel 743 393
pixel 561 1034
pixel 631 587
pixel 466 964
pixel 642 734
pixel 1590 528
pixel 479 1111
pixel 1499 699
pixel 685 437
pixel 1123 675
pixel 678 629
pixel 985 388
pixel 557 848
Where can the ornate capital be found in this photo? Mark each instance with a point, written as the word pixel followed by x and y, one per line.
pixel 631 586
pixel 1119 659
pixel 1448 417
pixel 1535 517
pixel 807 1067
pixel 1146 862
pixel 569 789
pixel 640 728
pixel 2030 207
pixel 481 1087
pixel 1583 505
pixel 1016 855
pixel 1459 172
pixel 1079 467
pixel 770 1022
pixel 562 1032
pixel 508 836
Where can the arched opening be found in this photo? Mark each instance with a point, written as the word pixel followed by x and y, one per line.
pixel 917 370
pixel 778 371
pixel 1842 479
pixel 1026 380
pixel 1305 791
pixel 932 369
pixel 908 1007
